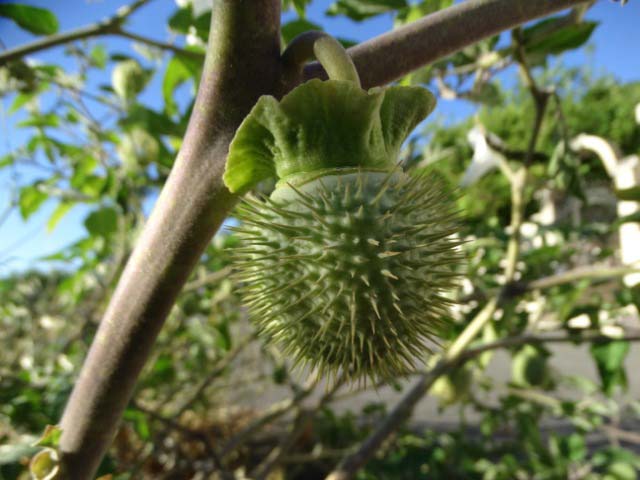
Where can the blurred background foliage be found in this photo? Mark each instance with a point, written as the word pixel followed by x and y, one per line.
pixel 213 397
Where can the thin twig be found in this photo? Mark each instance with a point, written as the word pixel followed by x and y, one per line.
pixel 161 45
pixel 578 274
pixel 304 417
pixel 174 425
pixel 624 435
pixel 514 154
pixel 210 279
pixel 270 415
pixel 219 368
pixel 110 25
pixel 91 96
pixel 518 184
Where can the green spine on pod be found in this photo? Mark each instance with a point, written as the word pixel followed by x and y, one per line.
pixel 346 265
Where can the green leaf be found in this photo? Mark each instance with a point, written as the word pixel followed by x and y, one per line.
pixel 50 437
pixel 488 93
pixel 359 10
pixel 292 29
pixel 530 367
pixel 128 79
pixel 20 100
pixel 48 120
pixel 631 194
pixel 61 210
pixel 139 421
pixel 179 70
pixel 181 20
pixel 564 171
pixel 609 357
pixel 33 19
pixel 300 6
pixel 102 222
pixel 547 37
pixel 152 121
pixel 419 10
pixel 98 56
pixel 573 447
pixel 6 160
pixel 30 200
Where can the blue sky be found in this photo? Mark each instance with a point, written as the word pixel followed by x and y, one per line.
pixel 615 46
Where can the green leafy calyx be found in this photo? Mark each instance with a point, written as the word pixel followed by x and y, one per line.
pixel 322 126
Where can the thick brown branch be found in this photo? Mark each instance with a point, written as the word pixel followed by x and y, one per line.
pixel 242 63
pixel 394 54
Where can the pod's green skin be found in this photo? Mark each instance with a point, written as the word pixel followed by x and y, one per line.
pixel 347 264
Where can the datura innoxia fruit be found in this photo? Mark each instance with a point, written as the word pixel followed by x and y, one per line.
pixel 346 265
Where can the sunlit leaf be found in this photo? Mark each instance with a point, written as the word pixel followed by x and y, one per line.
pixel 359 10
pixel 98 56
pixel 50 437
pixel 103 222
pixel 34 19
pixel 609 357
pixel 292 29
pixel 48 120
pixel 30 200
pixel 179 70
pixel 548 37
pixel 61 210
pixel 418 10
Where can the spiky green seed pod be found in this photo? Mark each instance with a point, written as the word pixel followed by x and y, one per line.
pixel 346 265
pixel 347 273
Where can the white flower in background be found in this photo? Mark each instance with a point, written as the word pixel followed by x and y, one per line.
pixel 26 362
pixel 604 316
pixel 528 229
pixel 534 307
pixel 581 321
pixel 65 363
pixel 467 286
pixel 192 38
pixel 484 158
pixel 50 323
pixel 612 331
pixel 199 6
pixel 33 62
pixel 547 214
